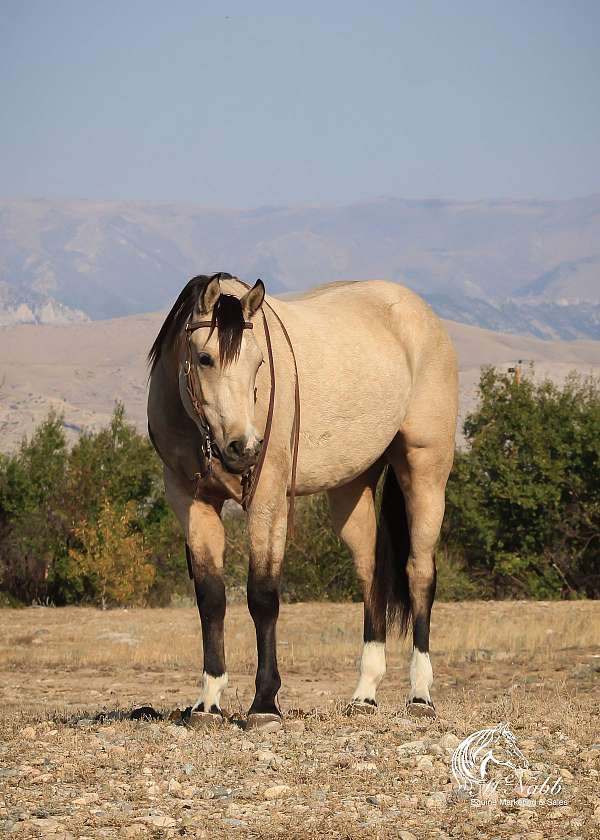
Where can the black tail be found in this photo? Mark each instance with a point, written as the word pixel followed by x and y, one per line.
pixel 390 601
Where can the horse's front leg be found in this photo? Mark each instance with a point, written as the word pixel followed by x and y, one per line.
pixel 205 546
pixel 267 529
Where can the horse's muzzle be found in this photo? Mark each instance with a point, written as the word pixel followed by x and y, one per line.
pixel 238 457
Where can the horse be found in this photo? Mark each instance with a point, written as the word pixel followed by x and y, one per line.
pixel 493 746
pixel 258 399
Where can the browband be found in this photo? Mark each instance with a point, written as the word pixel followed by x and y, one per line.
pixel 195 325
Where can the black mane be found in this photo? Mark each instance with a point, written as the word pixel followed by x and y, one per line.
pixel 227 318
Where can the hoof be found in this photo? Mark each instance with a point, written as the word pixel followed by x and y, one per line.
pixel 421 708
pixel 205 720
pixel 264 722
pixel 360 707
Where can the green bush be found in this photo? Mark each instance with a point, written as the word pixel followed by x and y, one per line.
pixel 50 496
pixel 523 500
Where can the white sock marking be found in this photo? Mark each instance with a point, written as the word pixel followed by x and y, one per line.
pixel 210 692
pixel 372 671
pixel 421 675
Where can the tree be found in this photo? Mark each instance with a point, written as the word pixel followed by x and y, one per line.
pixel 33 527
pixel 523 501
pixel 114 556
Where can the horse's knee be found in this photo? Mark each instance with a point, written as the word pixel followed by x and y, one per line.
pixel 422 577
pixel 263 597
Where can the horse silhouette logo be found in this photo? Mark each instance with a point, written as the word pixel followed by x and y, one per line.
pixel 474 758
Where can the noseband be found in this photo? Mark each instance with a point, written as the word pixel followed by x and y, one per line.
pixel 209 446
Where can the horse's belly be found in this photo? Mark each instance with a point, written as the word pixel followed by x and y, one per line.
pixel 349 433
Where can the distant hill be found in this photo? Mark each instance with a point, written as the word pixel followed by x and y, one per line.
pixel 81 369
pixel 529 267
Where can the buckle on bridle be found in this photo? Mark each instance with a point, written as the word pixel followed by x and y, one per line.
pixel 207 452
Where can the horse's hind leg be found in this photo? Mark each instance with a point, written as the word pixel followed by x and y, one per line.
pixel 422 472
pixel 205 545
pixel 354 520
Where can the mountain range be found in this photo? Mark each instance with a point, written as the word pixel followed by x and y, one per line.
pixel 521 267
pixel 81 369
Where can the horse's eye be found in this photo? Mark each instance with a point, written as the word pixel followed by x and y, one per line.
pixel 205 359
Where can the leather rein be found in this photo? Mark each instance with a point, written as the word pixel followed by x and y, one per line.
pixel 209 447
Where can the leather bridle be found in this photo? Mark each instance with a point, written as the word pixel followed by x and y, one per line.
pixel 209 447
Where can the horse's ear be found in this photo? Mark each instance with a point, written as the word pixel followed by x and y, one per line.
pixel 253 300
pixel 209 296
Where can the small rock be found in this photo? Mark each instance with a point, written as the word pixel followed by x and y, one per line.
pixel 161 821
pixel 134 830
pixel 373 800
pixel 294 726
pixel 179 732
pixel 277 792
pixel 406 835
pixel 218 792
pixel 364 766
pixel 235 822
pixel 265 755
pixel 559 813
pixel 449 741
pixel 566 774
pixel 436 800
pixel 188 769
pixel 424 762
pixel 86 799
pixel 28 733
pixel 47 826
pixel 174 787
pixel 412 747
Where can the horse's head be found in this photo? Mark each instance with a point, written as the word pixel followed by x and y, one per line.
pixel 224 358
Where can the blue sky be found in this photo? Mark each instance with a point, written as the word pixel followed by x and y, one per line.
pixel 247 104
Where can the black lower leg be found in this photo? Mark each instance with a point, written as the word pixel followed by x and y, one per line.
pixel 263 603
pixel 422 597
pixel 373 631
pixel 210 596
pixel 422 602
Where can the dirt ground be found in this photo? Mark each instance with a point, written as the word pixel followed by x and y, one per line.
pixel 535 666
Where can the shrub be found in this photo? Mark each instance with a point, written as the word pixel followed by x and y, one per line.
pixel 114 557
pixel 523 501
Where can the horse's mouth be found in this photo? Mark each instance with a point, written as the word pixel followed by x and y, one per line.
pixel 238 466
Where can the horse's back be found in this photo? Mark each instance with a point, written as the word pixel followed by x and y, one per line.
pixel 372 307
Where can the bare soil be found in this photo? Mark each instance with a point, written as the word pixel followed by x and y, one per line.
pixel 62 773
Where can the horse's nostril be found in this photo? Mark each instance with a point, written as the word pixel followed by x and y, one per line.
pixel 236 448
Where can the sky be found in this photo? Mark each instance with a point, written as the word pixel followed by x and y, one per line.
pixel 246 104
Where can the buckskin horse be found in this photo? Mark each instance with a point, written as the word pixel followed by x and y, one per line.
pixel 259 399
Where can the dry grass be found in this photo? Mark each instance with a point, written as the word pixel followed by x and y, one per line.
pixel 317 636
pixel 536 665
